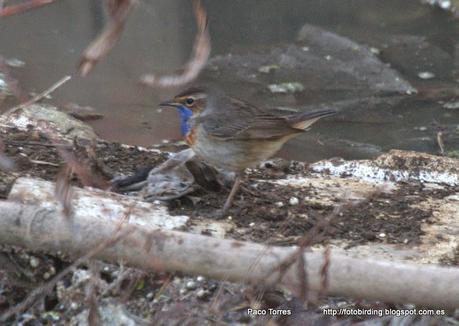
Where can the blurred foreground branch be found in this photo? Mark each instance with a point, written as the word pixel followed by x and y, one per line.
pixel 39 228
pixel 201 53
pixel 22 7
pixel 101 46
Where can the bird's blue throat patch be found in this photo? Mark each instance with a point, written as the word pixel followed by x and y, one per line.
pixel 185 115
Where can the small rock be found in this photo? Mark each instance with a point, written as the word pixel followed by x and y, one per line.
pixel 80 276
pixel 375 50
pixel 426 75
pixel 268 68
pixel 150 295
pixel 453 198
pixel 15 63
pixel 34 262
pixel 74 306
pixel 110 314
pixel 279 204
pixel 454 105
pixel 285 88
pixel 51 315
pixel 201 294
pixel 382 235
pixel 294 201
pixel 443 4
pixel 183 291
pixel 191 285
pixel 200 278
pixel 252 224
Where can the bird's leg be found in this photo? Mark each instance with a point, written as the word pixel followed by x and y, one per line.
pixel 229 200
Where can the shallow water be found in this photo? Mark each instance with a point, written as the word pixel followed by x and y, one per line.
pixel 159 36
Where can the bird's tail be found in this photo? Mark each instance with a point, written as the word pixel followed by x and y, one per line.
pixel 306 119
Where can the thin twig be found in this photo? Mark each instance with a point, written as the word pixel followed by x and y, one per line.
pixel 440 142
pixel 201 53
pixel 119 11
pixel 38 162
pixel 22 7
pixel 41 96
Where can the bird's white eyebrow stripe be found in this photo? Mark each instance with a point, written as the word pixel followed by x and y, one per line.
pixel 199 96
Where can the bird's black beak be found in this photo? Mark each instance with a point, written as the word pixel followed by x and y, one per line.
pixel 169 103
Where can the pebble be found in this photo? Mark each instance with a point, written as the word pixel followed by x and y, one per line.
pixel 268 68
pixel 183 291
pixel 426 75
pixel 191 285
pixel 200 278
pixel 279 204
pixel 74 306
pixel 382 235
pixel 150 295
pixel 15 63
pixel 453 198
pixel 252 224
pixel 294 201
pixel 288 87
pixel 202 293
pixel 375 50
pixel 451 105
pixel 34 262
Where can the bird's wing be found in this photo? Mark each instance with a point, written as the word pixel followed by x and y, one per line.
pixel 243 121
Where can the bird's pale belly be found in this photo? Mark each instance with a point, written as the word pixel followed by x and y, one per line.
pixel 233 155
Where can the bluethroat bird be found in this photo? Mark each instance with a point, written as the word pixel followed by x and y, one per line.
pixel 233 135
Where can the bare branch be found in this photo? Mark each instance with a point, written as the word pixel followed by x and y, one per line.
pixel 201 53
pixel 101 46
pixel 22 7
pixel 42 95
pixel 390 281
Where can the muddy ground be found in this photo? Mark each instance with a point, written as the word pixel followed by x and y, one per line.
pixel 264 212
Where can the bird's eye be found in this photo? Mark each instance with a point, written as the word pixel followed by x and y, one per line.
pixel 189 101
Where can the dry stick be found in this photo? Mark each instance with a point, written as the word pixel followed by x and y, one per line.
pixel 40 96
pixel 45 229
pixel 118 234
pixel 440 142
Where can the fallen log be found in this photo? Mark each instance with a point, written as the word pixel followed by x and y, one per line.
pixel 41 228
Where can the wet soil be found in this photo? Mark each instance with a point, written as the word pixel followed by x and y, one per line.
pixel 264 214
pixel 257 215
